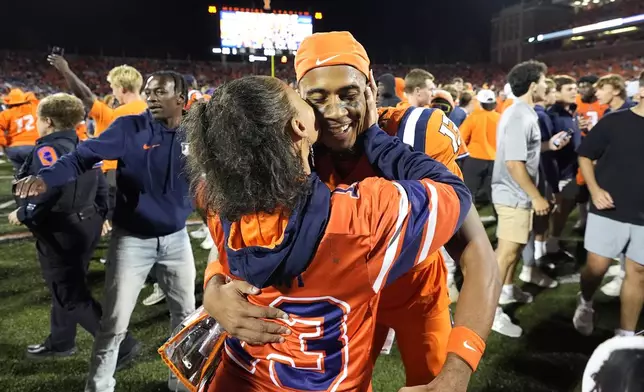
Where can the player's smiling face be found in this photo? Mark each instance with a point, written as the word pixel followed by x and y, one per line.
pixel 338 93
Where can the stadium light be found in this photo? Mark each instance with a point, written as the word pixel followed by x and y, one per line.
pixel 225 51
pixel 212 9
pixel 284 59
pixel 531 39
pixel 318 15
pixel 216 50
pixel 269 52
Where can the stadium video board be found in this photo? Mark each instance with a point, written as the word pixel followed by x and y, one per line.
pixel 258 30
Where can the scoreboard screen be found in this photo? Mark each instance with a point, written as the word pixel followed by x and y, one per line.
pixel 257 30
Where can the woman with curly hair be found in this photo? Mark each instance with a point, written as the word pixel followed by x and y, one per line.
pixel 321 256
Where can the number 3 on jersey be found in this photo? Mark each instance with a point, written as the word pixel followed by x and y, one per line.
pixel 449 129
pixel 322 361
pixel 25 123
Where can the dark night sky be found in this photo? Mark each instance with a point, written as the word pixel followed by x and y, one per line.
pixel 438 31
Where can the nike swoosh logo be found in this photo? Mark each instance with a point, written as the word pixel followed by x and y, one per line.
pixel 467 346
pixel 320 62
pixel 147 147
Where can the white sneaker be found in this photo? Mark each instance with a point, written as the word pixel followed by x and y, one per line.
pixel 517 295
pixel 535 276
pixel 200 233
pixel 157 296
pixel 504 325
pixel 614 287
pixel 488 219
pixel 207 243
pixel 584 318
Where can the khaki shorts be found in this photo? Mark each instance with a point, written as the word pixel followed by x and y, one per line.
pixel 514 224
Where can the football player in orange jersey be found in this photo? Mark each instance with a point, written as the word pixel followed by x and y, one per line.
pixel 287 233
pixel 18 126
pixel 332 71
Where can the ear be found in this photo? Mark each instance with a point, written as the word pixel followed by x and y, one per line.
pixel 49 122
pixel 298 128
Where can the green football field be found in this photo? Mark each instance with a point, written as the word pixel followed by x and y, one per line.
pixel 549 357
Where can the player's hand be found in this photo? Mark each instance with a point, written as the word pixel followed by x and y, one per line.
pixel 454 377
pixel 13 217
pixel 58 62
pixel 107 227
pixel 30 186
pixel 371 92
pixel 559 141
pixel 584 122
pixel 227 303
pixel 541 206
pixel 602 199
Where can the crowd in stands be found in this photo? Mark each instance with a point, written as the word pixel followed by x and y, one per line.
pixel 30 71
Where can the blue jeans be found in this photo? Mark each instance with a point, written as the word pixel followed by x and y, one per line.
pixel 130 259
pixel 17 155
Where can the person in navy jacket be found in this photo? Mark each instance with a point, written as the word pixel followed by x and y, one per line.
pixel 564 118
pixel 153 203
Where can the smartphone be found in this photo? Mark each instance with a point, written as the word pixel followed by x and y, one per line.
pixel 60 51
pixel 570 132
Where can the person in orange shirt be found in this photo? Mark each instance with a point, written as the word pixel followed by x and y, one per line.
pixel 415 306
pixel 478 132
pixel 18 126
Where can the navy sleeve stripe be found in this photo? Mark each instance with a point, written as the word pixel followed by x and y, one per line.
pixel 420 137
pixel 416 220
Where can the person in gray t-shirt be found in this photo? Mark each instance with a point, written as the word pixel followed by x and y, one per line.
pixel 514 179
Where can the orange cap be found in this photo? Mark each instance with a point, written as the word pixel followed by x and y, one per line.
pixel 16 97
pixel 326 49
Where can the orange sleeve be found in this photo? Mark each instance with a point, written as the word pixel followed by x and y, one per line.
pixel 218 266
pixel 102 114
pixel 443 141
pixel 4 128
pixel 403 233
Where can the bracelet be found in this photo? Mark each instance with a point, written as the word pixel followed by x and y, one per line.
pixel 467 345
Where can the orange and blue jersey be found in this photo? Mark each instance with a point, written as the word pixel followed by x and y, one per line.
pixel 325 263
pixel 426 130
pixel 593 111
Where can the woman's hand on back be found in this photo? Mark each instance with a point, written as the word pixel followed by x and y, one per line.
pixel 228 304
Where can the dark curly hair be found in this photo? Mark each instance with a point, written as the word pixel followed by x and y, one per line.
pixel 622 372
pixel 524 74
pixel 240 152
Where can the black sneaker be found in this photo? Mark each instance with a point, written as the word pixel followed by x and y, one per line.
pixel 126 358
pixel 39 351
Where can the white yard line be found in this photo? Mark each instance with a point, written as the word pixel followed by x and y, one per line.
pixel 7 204
pixel 25 234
